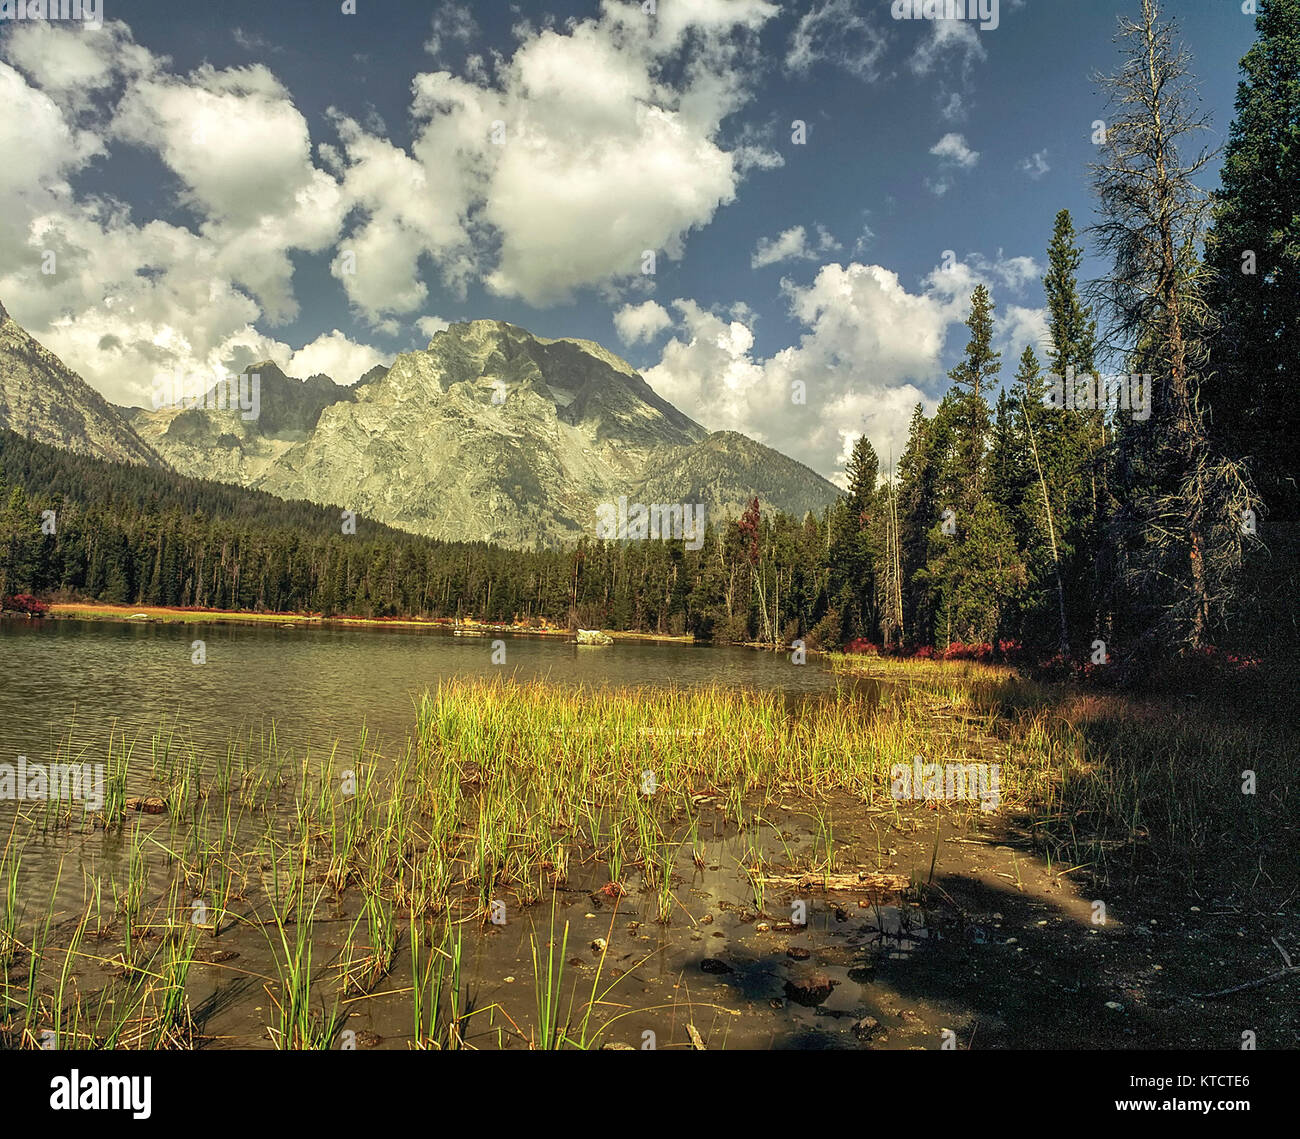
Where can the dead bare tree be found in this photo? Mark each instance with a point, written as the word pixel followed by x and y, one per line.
pixel 1177 495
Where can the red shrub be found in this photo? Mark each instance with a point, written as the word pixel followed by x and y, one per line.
pixel 24 603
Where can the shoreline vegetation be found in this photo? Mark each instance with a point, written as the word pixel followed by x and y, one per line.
pixel 346 891
pixel 170 615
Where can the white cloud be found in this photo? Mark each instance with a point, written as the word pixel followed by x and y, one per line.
pixel 1017 326
pixel 952 107
pixel 837 32
pixel 946 41
pixel 613 145
pixel 792 245
pixel 450 22
pixel 871 351
pixel 869 348
pixel 1035 165
pixel 74 67
pixel 408 208
pixel 241 151
pixel 334 355
pixel 643 322
pixel 431 325
pixel 952 148
pixel 558 167
pixel 131 300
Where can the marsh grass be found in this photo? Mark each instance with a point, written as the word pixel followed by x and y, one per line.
pixel 508 790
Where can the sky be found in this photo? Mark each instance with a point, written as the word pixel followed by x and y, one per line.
pixel 776 212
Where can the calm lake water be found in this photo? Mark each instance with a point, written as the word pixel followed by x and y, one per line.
pixel 318 685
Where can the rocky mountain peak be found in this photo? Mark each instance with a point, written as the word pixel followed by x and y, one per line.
pixel 44 399
pixel 488 434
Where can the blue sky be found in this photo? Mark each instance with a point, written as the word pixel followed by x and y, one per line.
pixel 201 174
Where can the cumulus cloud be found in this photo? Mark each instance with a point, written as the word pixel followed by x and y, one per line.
pixel 871 350
pixel 431 325
pixel 869 347
pixel 643 322
pixel 952 149
pixel 129 300
pixel 537 174
pixel 241 152
pixel 333 354
pixel 74 67
pixel 558 168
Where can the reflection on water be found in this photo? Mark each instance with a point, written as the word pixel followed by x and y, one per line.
pixel 318 685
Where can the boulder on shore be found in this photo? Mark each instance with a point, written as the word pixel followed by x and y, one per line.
pixel 594 637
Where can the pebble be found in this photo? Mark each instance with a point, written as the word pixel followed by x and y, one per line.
pixel 762 927
pixel 510 980
pixel 599 945
pixel 864 1028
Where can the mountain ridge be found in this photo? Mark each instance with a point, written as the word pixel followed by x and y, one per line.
pixel 489 433
pixel 43 399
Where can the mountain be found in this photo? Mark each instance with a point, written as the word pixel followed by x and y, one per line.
pixel 726 468
pixel 224 439
pixel 487 434
pixel 492 433
pixel 43 399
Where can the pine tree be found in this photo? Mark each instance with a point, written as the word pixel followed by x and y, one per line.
pixel 1044 547
pixel 1253 259
pixel 852 555
pixel 972 378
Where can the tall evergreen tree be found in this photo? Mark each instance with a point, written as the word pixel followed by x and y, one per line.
pixel 973 377
pixel 1253 259
pixel 853 551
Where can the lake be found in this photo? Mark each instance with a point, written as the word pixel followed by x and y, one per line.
pixel 318 685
